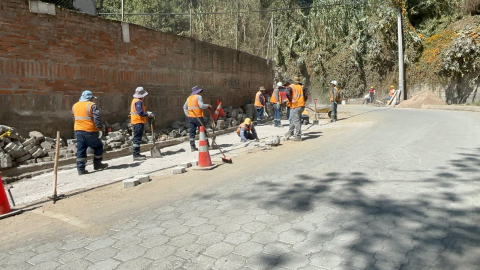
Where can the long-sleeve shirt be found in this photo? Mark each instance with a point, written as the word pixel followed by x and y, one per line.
pixel 139 108
pixel 242 134
pixel 200 104
pixel 289 93
pixel 276 94
pixel 96 117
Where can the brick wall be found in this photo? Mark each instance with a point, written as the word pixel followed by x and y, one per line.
pixel 46 62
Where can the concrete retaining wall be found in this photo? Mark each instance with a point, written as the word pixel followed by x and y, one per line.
pixel 46 61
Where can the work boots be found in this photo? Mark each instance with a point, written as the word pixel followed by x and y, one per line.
pixel 139 158
pixel 100 166
pixel 193 149
pixel 82 172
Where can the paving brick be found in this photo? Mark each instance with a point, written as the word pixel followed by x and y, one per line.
pixel 142 178
pixel 178 170
pixel 128 183
pixel 185 165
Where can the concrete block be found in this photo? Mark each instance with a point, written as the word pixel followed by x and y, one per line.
pixel 36 135
pixel 221 124
pixel 29 147
pixel 2 144
pixel 29 141
pixel 51 154
pixel 46 145
pixel 142 178
pixel 283 139
pixel 128 183
pixel 71 141
pixel 194 163
pixel 42 8
pixel 269 142
pixel 24 158
pixel 50 140
pixel 126 32
pixel 72 147
pixel 33 150
pixel 184 133
pixel 185 165
pixel 38 153
pixel 69 155
pixel 178 170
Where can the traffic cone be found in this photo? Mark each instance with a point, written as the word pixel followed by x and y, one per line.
pixel 204 159
pixel 4 204
pixel 5 210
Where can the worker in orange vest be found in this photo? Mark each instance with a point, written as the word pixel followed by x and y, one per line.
pixel 246 131
pixel 87 125
pixel 334 100
pixel 276 100
pixel 260 104
pixel 193 109
pixel 297 96
pixel 391 93
pixel 138 118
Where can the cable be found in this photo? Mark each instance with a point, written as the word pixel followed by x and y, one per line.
pixel 339 3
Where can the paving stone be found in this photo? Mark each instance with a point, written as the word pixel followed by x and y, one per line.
pixel 75 265
pixel 159 252
pixel 185 165
pixel 210 238
pixel 325 259
pixel 155 241
pixel 132 182
pixel 228 228
pixel 170 262
pixel 291 236
pixel 219 220
pixel 183 240
pixel 265 237
pixel 146 232
pixel 102 254
pixel 248 249
pixel 178 170
pixel 254 227
pixel 109 264
pixel 46 265
pixel 45 256
pixel 204 229
pixel 135 264
pixel 238 237
pixel 142 178
pixel 201 262
pixel 177 230
pixel 293 260
pixel 262 261
pixel 190 252
pixel 73 255
pixel 230 262
pixel 195 222
pixel 219 250
pixel 130 253
pixel 307 247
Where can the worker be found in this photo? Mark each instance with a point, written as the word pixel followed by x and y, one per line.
pixel 297 97
pixel 193 109
pixel 372 94
pixel 276 100
pixel 305 117
pixel 287 103
pixel 87 125
pixel 138 118
pixel 391 93
pixel 334 99
pixel 260 104
pixel 246 131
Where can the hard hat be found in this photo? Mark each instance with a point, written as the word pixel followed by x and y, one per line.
pixel 334 82
pixel 279 84
pixel 247 121
pixel 371 87
pixel 392 86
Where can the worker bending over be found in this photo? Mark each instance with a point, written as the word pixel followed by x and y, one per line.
pixel 87 124
pixel 193 109
pixel 138 118
pixel 246 131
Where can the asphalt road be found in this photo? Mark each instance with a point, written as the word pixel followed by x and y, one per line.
pixel 381 189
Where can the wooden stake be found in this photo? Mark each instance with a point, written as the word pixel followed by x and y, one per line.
pixel 55 166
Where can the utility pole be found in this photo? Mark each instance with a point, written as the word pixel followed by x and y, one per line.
pixel 122 10
pixel 401 66
pixel 236 29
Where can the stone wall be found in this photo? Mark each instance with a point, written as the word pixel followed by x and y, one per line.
pixel 46 61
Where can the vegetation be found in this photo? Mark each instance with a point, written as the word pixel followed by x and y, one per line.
pixel 354 43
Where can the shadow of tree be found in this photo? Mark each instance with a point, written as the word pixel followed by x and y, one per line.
pixel 430 223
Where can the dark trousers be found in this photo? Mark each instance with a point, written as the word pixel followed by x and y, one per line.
pixel 194 124
pixel 249 135
pixel 259 114
pixel 333 109
pixel 137 138
pixel 371 97
pixel 85 140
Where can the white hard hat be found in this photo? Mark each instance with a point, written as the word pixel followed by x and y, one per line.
pixel 334 82
pixel 279 84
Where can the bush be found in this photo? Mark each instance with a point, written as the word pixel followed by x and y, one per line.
pixel 472 7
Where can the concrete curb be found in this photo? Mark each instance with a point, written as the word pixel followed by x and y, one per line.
pixel 452 108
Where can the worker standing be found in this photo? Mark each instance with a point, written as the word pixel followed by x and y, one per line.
pixel 372 94
pixel 297 96
pixel 276 100
pixel 246 131
pixel 193 109
pixel 138 118
pixel 334 99
pixel 260 104
pixel 87 125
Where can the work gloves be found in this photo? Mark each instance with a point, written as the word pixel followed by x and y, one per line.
pixel 151 115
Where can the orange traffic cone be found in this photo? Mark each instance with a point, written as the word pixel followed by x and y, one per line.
pixel 5 210
pixel 204 159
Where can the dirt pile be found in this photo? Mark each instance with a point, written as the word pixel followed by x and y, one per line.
pixel 425 97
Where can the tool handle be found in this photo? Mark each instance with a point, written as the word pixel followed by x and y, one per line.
pixel 55 166
pixel 153 133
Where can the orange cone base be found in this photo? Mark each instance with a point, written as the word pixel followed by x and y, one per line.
pixel 206 168
pixel 12 213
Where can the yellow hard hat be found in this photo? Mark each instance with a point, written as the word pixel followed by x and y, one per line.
pixel 392 86
pixel 371 87
pixel 247 121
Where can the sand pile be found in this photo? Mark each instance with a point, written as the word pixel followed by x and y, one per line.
pixel 425 97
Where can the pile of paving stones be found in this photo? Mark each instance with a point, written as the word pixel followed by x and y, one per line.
pixel 16 150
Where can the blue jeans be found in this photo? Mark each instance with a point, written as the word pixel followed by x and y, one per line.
pixel 85 140
pixel 277 115
pixel 194 124
pixel 333 109
pixel 137 138
pixel 371 97
pixel 259 114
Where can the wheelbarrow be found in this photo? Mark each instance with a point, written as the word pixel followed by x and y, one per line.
pixel 322 112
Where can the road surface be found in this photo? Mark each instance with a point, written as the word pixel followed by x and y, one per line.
pixel 381 189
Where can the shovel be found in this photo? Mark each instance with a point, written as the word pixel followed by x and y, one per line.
pixel 315 122
pixel 154 151
pixel 224 158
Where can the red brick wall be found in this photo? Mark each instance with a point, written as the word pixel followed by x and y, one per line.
pixel 47 61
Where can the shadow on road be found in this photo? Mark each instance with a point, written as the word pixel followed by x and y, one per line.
pixel 429 223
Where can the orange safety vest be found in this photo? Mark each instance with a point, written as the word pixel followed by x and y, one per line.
pixel 193 107
pixel 392 92
pixel 245 127
pixel 297 94
pixel 258 103
pixel 135 118
pixel 273 99
pixel 82 112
